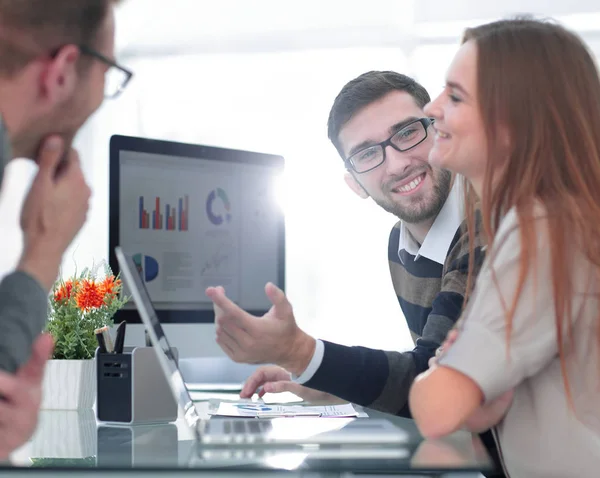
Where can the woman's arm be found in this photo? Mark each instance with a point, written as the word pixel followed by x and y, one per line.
pixel 442 399
pixel 486 415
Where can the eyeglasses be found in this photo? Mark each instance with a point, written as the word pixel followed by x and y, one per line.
pixel 408 137
pixel 117 76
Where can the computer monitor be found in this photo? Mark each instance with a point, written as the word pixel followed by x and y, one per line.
pixel 194 216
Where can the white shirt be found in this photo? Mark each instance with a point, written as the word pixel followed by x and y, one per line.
pixel 438 239
pixel 435 247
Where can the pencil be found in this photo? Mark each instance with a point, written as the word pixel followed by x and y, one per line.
pixel 108 342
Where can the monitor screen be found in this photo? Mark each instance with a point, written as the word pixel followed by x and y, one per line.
pixel 194 216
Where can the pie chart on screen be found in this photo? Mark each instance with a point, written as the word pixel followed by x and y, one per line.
pixel 147 266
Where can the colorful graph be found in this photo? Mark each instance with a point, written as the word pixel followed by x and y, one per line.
pixel 147 266
pixel 253 408
pixel 213 216
pixel 173 219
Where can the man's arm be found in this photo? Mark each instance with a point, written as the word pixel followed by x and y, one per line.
pixel 23 313
pixel 376 378
pixel 381 380
pixel 53 212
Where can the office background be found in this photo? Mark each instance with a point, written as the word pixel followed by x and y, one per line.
pixel 262 75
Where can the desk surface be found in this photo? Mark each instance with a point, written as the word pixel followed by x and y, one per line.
pixel 73 440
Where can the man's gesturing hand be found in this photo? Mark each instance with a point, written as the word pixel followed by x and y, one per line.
pixel 274 338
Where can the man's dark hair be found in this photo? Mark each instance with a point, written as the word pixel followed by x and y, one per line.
pixel 364 90
pixel 29 28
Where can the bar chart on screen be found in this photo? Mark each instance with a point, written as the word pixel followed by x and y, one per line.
pixel 156 214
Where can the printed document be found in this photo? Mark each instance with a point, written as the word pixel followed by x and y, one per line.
pixel 263 410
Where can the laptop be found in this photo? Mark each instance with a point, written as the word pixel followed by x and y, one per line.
pixel 248 431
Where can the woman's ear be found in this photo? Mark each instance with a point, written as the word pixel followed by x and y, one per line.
pixel 355 185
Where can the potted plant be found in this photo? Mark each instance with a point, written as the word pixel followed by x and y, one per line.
pixel 78 306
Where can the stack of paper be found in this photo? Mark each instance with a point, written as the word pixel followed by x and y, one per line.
pixel 262 410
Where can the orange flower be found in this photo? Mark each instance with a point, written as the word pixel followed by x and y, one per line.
pixel 108 286
pixel 89 295
pixel 64 291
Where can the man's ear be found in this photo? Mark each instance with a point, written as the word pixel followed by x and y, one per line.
pixel 355 185
pixel 59 76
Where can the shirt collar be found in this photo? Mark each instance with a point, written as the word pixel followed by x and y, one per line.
pixel 437 242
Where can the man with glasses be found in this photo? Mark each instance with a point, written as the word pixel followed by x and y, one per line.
pixel 378 126
pixel 55 69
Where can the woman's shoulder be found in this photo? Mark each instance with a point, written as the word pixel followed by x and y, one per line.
pixel 519 223
pixel 534 215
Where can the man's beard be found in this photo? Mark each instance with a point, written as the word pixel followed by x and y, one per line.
pixel 425 208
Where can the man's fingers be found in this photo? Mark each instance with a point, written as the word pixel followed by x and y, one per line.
pixel 505 398
pixel 451 338
pixel 9 387
pixel 285 386
pixel 227 310
pixel 72 177
pixel 240 336
pixel 49 156
pixel 262 375
pixel 225 343
pixel 253 382
pixel 41 353
pixel 279 300
pixel 236 340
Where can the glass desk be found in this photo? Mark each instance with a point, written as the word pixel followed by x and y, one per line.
pixel 68 442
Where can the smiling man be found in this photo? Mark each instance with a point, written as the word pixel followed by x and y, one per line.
pixel 378 126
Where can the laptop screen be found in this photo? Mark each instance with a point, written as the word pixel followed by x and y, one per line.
pixel 157 335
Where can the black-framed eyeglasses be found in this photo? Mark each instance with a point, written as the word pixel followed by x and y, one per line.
pixel 407 138
pixel 117 76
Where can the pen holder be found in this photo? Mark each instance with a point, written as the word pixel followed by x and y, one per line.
pixel 132 388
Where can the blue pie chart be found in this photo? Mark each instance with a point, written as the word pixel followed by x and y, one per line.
pixel 147 266
pixel 254 408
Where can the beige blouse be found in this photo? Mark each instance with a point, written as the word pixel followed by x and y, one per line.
pixel 540 436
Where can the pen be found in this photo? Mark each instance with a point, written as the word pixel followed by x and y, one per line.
pixel 108 342
pixel 101 344
pixel 120 340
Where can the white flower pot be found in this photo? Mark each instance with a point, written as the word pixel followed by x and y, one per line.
pixel 65 434
pixel 69 385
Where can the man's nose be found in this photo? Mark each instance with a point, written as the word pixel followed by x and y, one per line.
pixel 396 161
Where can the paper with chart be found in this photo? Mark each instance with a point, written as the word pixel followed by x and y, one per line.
pixel 262 410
